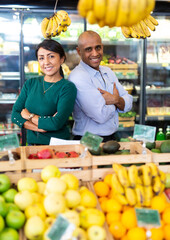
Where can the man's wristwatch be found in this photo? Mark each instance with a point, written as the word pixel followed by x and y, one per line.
pixel 31 116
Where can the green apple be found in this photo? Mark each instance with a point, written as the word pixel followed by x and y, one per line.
pixel 9 234
pixel 9 195
pixel 15 219
pixel 96 233
pixel 167 181
pixel 2 223
pixel 12 206
pixel 73 198
pixel 2 198
pixel 3 209
pixel 5 183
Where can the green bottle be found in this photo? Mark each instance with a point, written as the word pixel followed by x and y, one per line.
pixel 168 132
pixel 160 135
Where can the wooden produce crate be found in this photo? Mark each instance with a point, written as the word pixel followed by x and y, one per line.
pixel 159 158
pixel 17 166
pixel 135 157
pixel 64 164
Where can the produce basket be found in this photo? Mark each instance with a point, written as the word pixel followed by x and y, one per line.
pixel 76 164
pixel 16 166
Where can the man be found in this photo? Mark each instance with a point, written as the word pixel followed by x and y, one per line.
pixel 100 96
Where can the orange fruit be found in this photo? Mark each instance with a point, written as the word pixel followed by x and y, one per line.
pixel 128 218
pixel 166 230
pixel 103 205
pixel 101 199
pixel 101 189
pixel 166 216
pixel 113 205
pixel 136 233
pixel 156 233
pixel 111 194
pixel 117 229
pixel 107 179
pixel 112 217
pixel 158 203
pixel 125 237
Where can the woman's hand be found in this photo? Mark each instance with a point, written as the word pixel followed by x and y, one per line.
pixel 25 113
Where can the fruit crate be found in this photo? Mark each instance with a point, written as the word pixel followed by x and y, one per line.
pixel 102 163
pixel 159 158
pixel 17 166
pixel 64 164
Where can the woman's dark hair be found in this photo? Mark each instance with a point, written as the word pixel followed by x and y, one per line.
pixel 53 46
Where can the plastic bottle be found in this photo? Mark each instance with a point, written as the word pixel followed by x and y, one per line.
pixel 160 135
pixel 167 133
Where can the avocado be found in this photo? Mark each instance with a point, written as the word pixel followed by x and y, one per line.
pixel 155 150
pixel 150 145
pixel 124 140
pixel 165 147
pixel 125 151
pixel 97 153
pixel 110 146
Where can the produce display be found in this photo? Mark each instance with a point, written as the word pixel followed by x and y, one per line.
pixel 123 190
pixel 163 148
pixel 115 13
pixel 51 153
pixel 11 217
pixel 55 24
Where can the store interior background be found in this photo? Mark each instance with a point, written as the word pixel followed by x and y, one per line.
pixel 148 79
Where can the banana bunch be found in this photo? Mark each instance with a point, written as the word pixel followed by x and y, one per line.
pixel 54 25
pixel 140 29
pixel 115 13
pixel 136 186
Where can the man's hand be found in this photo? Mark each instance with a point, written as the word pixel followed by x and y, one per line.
pixel 113 99
pixel 25 113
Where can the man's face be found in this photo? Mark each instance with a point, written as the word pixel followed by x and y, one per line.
pixel 91 50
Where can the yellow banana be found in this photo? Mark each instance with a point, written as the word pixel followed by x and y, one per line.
pixel 55 25
pixel 146 175
pixel 157 185
pixel 116 185
pixel 49 27
pixel 130 196
pixel 44 25
pixel 101 23
pixel 111 12
pixel 140 195
pixel 91 17
pixel 142 9
pixel 140 30
pixel 162 188
pixel 148 196
pixel 64 29
pixel 99 8
pixel 60 19
pixel 139 180
pixel 122 13
pixel 121 199
pixel 126 32
pixel 145 28
pixel 59 30
pixel 132 175
pixel 153 20
pixel 84 6
pixel 67 22
pixel 134 15
pixel 149 24
pixel 116 167
pixel 154 169
pixel 62 14
pixel 123 177
pixel 133 33
pixel 162 176
pixel 150 6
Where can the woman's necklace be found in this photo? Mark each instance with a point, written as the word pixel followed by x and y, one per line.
pixel 47 88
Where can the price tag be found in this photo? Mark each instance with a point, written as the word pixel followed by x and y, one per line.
pixel 61 229
pixel 148 218
pixel 144 133
pixel 91 141
pixel 8 142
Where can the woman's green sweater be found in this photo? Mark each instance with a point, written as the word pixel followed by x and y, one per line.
pixel 58 99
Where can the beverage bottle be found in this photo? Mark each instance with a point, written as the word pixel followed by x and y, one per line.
pixel 167 133
pixel 160 135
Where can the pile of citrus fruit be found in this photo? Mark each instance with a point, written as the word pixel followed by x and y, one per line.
pixel 122 220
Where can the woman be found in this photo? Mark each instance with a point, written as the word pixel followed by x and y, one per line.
pixel 46 102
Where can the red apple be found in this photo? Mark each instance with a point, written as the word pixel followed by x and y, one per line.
pixel 167 192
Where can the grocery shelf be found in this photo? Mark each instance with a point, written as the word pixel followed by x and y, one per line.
pixel 155 118
pixel 8 101
pixel 162 90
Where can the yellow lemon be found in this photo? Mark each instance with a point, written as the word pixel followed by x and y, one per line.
pixel 49 172
pixel 27 183
pixel 88 199
pixel 35 209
